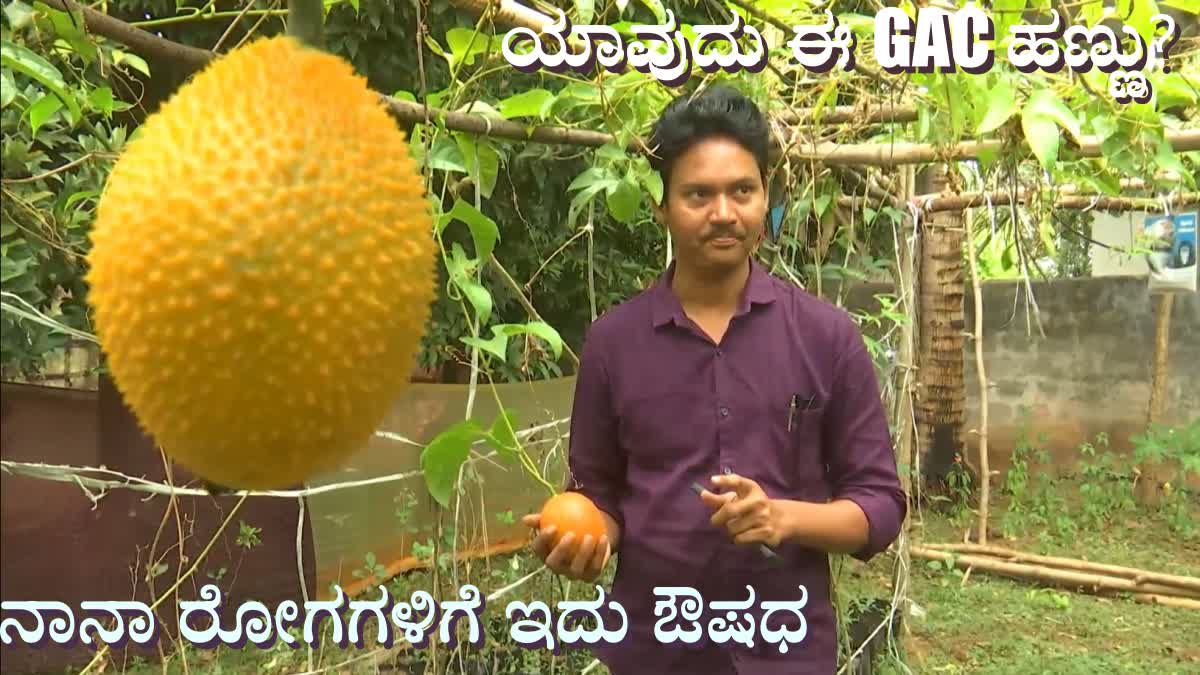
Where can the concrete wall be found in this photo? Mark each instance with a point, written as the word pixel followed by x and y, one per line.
pixel 1090 372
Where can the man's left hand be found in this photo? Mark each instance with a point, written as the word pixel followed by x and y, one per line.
pixel 745 512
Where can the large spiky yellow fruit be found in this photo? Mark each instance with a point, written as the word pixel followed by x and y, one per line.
pixel 263 267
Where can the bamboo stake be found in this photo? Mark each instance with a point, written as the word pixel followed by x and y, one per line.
pixel 984 471
pixel 1147 490
pixel 1166 601
pixel 1094 583
pixel 1162 345
pixel 1138 576
pixel 935 203
pixel 846 113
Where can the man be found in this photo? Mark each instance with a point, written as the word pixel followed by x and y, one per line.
pixel 722 375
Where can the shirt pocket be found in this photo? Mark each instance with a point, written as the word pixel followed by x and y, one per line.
pixel 803 433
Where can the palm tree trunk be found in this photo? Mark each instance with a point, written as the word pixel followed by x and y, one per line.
pixel 941 394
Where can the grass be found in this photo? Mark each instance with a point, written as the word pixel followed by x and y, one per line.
pixel 985 625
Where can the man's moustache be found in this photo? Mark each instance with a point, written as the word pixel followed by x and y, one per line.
pixel 725 234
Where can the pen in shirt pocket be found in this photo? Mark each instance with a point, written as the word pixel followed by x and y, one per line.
pixel 798 402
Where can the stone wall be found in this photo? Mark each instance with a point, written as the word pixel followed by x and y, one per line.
pixel 1086 372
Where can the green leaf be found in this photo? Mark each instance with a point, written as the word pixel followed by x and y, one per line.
pixel 1104 126
pixel 482 161
pixel 1045 103
pixel 544 331
pixel 403 95
pixel 465 44
pixel 1006 13
pixel 1046 232
pixel 479 297
pixel 42 110
pixel 531 103
pixel 461 271
pixel 1171 90
pixel 652 181
pixel 1167 160
pixel 821 203
pixel 68 27
pixel 446 155
pixel 1137 13
pixel 503 434
pixel 623 199
pixel 19 14
pixel 497 345
pixel 1001 105
pixel 444 456
pixel 8 89
pixel 481 108
pixel 484 231
pixel 82 194
pixel 1042 135
pixel 101 100
pixel 21 59
pixel 136 62
pixel 591 177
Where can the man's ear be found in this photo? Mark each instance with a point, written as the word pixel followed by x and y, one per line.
pixel 660 211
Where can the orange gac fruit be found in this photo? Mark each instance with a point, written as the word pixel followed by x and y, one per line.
pixel 572 512
pixel 268 172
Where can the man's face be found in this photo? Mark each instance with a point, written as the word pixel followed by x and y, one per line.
pixel 715 206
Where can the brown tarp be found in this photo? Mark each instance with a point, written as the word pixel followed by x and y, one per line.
pixel 54 545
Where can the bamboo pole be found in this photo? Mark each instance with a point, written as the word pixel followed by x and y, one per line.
pixel 1147 490
pixel 934 203
pixel 1166 601
pixel 905 376
pixel 981 374
pixel 1138 576
pixel 1094 583
pixel 1162 345
pixel 873 154
pixel 846 113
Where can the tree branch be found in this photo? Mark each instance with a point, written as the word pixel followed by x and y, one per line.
pixel 141 42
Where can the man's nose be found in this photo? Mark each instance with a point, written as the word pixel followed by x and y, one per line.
pixel 723 210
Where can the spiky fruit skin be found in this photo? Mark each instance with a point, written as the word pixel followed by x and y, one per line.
pixel 262 267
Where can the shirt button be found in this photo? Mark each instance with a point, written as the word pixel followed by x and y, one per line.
pixel 718 351
pixel 727 471
pixel 724 411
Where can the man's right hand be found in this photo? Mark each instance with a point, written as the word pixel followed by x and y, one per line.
pixel 577 560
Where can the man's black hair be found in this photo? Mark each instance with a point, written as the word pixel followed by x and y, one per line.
pixel 717 111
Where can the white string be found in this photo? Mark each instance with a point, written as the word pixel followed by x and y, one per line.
pixel 84 476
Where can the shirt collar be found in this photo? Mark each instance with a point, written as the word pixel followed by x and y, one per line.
pixel 666 307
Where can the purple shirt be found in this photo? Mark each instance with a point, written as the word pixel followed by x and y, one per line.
pixel 657 406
